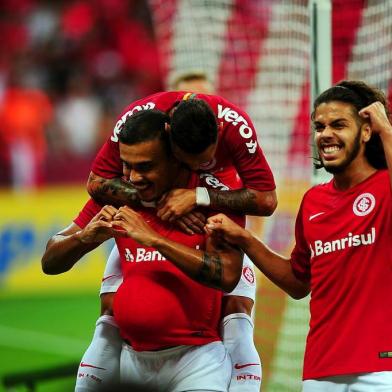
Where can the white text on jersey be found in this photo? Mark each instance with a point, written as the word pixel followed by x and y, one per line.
pixel 231 116
pixel 145 255
pixel 121 121
pixel 349 241
pixel 213 182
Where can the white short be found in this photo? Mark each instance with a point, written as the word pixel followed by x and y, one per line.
pixel 112 277
pixel 246 286
pixel 177 369
pixel 364 382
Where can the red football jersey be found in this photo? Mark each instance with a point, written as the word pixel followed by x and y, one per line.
pixel 343 245
pixel 157 305
pixel 238 151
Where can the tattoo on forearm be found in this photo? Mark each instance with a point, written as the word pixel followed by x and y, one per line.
pixel 210 272
pixel 242 201
pixel 114 191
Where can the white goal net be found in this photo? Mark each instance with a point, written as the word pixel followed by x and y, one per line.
pixel 257 53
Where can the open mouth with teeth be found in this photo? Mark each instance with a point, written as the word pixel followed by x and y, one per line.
pixel 329 151
pixel 141 187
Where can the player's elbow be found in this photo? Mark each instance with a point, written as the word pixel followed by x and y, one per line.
pixel 95 187
pixel 91 188
pixel 267 203
pixel 47 269
pixel 299 292
pixel 228 285
pixel 270 205
pixel 230 279
pixel 50 265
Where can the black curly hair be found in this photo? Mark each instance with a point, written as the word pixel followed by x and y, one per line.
pixel 359 95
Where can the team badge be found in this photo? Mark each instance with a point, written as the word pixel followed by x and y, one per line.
pixel 364 204
pixel 249 275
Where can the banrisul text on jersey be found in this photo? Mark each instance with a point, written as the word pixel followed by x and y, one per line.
pixel 321 247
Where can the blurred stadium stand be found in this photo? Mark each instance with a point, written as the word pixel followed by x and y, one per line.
pixel 67 68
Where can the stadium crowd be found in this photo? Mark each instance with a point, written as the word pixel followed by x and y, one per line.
pixel 67 68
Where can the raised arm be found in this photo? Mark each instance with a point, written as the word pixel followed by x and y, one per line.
pixel 380 124
pixel 68 246
pixel 275 267
pixel 219 266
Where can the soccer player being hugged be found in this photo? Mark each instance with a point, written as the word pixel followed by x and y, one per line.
pixel 207 133
pixel 343 248
pixel 168 308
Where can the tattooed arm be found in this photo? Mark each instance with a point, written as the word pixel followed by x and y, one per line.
pixel 218 266
pixel 244 201
pixel 212 269
pixel 112 191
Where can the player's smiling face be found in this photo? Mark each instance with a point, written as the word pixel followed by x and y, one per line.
pixel 148 167
pixel 339 136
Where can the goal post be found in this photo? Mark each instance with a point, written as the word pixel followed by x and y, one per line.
pixel 320 13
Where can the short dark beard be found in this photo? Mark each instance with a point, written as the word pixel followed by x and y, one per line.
pixel 353 154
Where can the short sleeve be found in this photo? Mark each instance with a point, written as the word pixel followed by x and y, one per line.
pixel 90 209
pixel 300 256
pixel 251 165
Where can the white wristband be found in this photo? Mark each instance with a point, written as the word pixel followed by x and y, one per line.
pixel 202 196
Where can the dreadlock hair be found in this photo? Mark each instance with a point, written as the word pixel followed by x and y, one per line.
pixel 359 95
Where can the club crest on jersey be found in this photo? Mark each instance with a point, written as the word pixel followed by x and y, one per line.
pixel 248 275
pixel 364 204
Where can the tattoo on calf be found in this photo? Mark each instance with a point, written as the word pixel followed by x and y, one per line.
pixel 210 272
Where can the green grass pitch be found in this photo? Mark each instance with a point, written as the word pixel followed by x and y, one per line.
pixel 40 332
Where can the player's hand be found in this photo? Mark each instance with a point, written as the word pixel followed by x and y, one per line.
pixel 220 227
pixel 377 117
pixel 107 214
pixel 192 222
pixel 100 227
pixel 176 203
pixel 128 222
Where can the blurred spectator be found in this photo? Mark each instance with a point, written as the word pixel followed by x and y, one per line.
pixel 24 115
pixel 78 117
pixel 46 45
pixel 193 80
